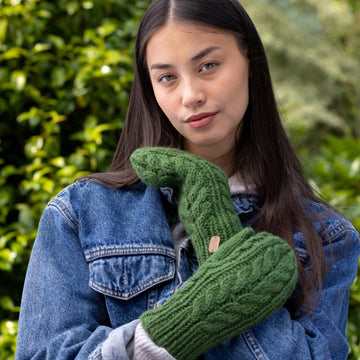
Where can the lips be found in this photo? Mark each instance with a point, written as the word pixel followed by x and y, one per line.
pixel 201 120
pixel 198 117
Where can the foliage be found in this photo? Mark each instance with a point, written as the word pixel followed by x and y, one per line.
pixel 65 78
pixel 336 174
pixel 312 47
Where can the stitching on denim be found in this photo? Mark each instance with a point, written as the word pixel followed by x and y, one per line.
pixel 335 231
pixel 152 296
pixel 334 226
pixel 96 354
pixel 111 251
pixel 66 213
pixel 97 357
pixel 254 345
pixel 342 228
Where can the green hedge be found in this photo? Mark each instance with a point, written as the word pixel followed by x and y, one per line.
pixel 65 76
pixel 336 174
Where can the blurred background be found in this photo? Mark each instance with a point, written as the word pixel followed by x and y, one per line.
pixel 65 76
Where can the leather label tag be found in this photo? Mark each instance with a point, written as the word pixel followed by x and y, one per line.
pixel 214 243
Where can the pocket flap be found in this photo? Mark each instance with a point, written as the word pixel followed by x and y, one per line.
pixel 127 275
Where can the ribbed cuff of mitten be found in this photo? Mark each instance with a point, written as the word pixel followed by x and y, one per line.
pixel 206 208
pixel 208 237
pixel 235 289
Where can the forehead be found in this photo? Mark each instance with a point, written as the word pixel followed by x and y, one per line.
pixel 179 39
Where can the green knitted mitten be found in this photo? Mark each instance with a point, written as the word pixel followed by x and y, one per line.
pixel 205 205
pixel 242 283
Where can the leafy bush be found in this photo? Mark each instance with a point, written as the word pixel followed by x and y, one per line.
pixel 65 77
pixel 336 174
pixel 312 46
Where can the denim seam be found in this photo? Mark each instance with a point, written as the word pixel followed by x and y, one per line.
pixel 341 228
pixel 253 345
pixel 152 296
pixel 96 354
pixel 66 214
pixel 333 233
pixel 119 251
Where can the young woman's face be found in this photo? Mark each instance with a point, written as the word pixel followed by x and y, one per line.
pixel 200 81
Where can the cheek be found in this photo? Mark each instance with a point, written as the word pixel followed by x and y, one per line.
pixel 163 101
pixel 167 105
pixel 238 95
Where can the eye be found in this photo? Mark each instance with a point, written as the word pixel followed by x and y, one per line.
pixel 166 78
pixel 209 66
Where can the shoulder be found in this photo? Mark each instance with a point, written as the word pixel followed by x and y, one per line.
pixel 334 230
pixel 83 188
pixel 338 236
pixel 89 202
pixel 330 224
pixel 87 195
pixel 111 217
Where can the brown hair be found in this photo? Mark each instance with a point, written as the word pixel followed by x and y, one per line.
pixel 263 154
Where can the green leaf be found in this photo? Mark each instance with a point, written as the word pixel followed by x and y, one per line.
pixel 18 79
pixel 7 258
pixel 14 53
pixel 58 76
pixel 3 29
pixel 41 47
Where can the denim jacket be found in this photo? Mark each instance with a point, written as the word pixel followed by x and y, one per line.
pixel 103 256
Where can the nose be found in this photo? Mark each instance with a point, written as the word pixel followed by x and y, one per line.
pixel 193 93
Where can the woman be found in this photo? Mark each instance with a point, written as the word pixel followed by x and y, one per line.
pixel 114 274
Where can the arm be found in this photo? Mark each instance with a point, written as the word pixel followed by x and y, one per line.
pixel 61 316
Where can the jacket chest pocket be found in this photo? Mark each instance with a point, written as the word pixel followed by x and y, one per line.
pixel 124 273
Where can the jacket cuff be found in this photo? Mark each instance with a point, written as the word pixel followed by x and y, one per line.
pixel 117 345
pixel 145 348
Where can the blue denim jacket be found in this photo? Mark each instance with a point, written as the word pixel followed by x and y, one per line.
pixel 103 256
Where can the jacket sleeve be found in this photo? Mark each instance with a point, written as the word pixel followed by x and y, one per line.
pixel 61 317
pixel 319 335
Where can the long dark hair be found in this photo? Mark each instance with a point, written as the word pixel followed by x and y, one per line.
pixel 263 155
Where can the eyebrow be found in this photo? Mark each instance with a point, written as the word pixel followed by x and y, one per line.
pixel 196 57
pixel 204 52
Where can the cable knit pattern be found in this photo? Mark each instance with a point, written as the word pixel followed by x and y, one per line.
pixel 242 283
pixel 205 205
